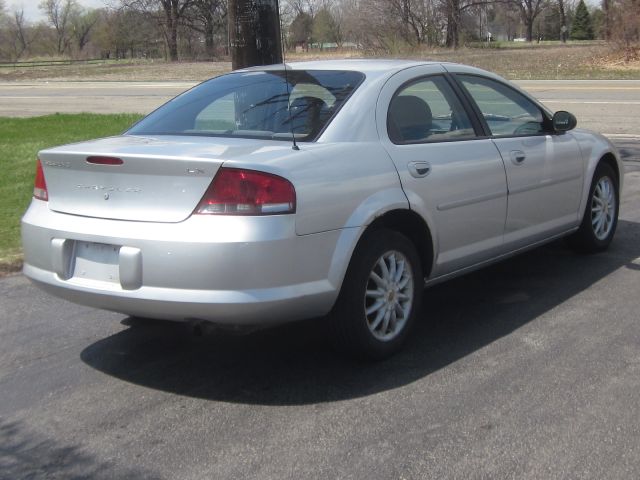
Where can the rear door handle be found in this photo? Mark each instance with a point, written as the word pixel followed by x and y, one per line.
pixel 517 157
pixel 419 169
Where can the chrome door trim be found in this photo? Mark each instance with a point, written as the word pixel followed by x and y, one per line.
pixel 470 201
pixel 544 183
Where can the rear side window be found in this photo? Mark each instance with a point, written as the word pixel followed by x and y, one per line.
pixel 427 110
pixel 506 111
pixel 261 104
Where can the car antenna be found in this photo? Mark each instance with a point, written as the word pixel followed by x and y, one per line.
pixel 286 79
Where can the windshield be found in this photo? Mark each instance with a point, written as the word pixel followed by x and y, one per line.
pixel 255 105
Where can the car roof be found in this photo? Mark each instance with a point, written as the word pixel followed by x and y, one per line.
pixel 372 68
pixel 360 65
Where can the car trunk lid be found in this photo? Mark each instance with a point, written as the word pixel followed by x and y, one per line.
pixel 157 180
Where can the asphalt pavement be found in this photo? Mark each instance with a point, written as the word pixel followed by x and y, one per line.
pixel 529 369
pixel 26 99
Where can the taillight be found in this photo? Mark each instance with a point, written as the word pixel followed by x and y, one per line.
pixel 247 192
pixel 40 186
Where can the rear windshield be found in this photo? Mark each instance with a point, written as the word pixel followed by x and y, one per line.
pixel 255 105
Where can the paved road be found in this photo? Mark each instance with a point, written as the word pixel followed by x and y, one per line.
pixel 529 369
pixel 24 99
pixel 606 106
pixel 611 107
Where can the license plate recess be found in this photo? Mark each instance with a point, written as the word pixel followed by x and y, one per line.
pixel 97 261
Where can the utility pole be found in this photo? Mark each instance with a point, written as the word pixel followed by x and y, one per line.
pixel 254 33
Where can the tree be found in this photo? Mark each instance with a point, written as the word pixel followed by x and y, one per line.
pixel 105 33
pixel 399 23
pixel 82 22
pixel 168 13
pixel 325 28
pixel 22 37
pixel 459 12
pixel 606 27
pixel 58 13
pixel 582 29
pixel 173 13
pixel 624 26
pixel 3 32
pixel 507 16
pixel 453 23
pixel 309 7
pixel 127 32
pixel 301 29
pixel 598 23
pixel 550 22
pixel 208 17
pixel 564 29
pixel 529 11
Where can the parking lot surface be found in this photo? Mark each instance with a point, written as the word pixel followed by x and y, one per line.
pixel 528 369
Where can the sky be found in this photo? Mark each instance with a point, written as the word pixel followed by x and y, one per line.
pixel 33 13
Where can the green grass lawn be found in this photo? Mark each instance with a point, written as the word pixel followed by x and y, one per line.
pixel 20 141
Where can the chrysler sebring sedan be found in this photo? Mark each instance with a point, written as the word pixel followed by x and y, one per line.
pixel 327 189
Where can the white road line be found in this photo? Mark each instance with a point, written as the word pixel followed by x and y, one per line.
pixel 573 88
pixel 592 102
pixel 104 96
pixel 105 85
pixel 621 135
pixel 632 81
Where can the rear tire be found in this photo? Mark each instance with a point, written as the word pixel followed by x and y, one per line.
pixel 601 213
pixel 380 296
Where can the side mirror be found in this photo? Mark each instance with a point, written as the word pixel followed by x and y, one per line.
pixel 564 121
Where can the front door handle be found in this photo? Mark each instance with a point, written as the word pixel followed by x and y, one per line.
pixel 517 157
pixel 419 169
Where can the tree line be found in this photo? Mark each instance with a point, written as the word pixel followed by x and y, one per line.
pixel 198 29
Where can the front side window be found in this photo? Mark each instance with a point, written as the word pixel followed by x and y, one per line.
pixel 427 111
pixel 506 111
pixel 255 105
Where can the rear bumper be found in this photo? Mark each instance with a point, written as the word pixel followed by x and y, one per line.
pixel 225 307
pixel 228 270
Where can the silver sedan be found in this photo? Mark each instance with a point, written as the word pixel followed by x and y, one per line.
pixel 325 189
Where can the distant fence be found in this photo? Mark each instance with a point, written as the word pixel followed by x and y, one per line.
pixel 47 63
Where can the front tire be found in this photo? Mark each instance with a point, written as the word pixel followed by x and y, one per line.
pixel 601 213
pixel 380 296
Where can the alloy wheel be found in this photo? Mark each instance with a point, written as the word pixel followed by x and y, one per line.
pixel 389 295
pixel 603 208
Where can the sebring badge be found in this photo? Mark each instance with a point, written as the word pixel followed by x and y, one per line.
pixel 49 163
pixel 107 189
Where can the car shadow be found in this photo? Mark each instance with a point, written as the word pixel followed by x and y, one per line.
pixel 292 364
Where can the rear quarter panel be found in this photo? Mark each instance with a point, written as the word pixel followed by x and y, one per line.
pixel 338 185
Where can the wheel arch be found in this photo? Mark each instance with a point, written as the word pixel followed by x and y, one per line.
pixel 585 239
pixel 405 221
pixel 610 159
pixel 412 226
